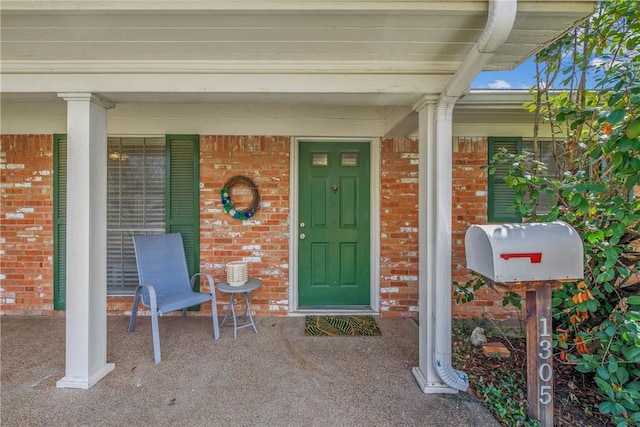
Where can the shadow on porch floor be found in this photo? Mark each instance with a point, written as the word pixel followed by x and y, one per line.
pixel 276 378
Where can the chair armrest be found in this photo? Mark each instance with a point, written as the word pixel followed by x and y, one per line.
pixel 153 301
pixel 209 279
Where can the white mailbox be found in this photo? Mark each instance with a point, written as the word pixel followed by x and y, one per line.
pixel 525 252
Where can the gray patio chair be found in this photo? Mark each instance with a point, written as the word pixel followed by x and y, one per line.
pixel 164 282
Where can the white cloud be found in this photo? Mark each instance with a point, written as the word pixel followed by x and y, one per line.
pixel 499 84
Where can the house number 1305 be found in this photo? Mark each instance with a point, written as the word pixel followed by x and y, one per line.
pixel 545 372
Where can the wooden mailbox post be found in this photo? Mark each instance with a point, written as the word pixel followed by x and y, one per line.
pixel 540 351
pixel 533 257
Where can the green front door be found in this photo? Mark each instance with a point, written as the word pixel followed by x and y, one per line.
pixel 333 225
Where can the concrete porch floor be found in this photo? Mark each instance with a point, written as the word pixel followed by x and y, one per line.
pixel 279 377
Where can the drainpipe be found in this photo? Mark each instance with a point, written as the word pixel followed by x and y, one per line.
pixel 500 21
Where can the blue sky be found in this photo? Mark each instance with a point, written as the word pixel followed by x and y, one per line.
pixel 521 77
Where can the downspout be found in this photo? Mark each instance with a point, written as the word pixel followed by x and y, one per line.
pixel 500 20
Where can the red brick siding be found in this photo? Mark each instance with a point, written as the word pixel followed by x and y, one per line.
pixel 26 229
pixel 399 227
pixel 263 241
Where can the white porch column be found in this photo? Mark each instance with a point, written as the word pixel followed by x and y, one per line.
pixel 86 312
pixel 434 232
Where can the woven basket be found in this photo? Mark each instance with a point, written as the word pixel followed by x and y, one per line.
pixel 237 273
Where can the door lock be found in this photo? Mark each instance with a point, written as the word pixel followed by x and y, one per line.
pixel 302 224
pixel 302 236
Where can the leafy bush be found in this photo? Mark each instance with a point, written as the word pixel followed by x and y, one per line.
pixel 596 148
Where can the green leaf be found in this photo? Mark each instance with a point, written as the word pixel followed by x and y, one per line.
pixel 576 199
pixel 615 98
pixel 633 129
pixel 606 407
pixel 584 368
pixel 618 408
pixel 617 159
pixel 610 330
pixel 622 374
pixel 627 143
pixel 613 365
pixel 634 300
pixel 595 187
pixel 631 354
pixel 616 116
pixel 602 373
pixel 592 305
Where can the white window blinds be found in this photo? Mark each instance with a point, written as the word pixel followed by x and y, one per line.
pixel 135 204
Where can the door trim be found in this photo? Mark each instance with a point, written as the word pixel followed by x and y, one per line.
pixel 374 215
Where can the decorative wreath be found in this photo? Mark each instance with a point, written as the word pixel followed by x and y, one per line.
pixel 225 197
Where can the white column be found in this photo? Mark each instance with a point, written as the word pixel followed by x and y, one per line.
pixel 429 220
pixel 86 303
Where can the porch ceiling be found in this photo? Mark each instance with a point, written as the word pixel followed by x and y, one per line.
pixel 349 52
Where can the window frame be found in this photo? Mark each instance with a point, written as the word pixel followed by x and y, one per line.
pixel 184 148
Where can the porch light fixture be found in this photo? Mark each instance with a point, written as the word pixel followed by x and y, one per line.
pixel 116 155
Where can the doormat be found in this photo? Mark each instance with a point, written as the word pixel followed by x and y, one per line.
pixel 341 325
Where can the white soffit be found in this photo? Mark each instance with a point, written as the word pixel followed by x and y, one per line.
pixel 366 49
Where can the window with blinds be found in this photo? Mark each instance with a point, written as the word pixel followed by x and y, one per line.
pixel 546 202
pixel 152 188
pixel 135 204
pixel 501 196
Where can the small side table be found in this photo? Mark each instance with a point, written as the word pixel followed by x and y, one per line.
pixel 246 289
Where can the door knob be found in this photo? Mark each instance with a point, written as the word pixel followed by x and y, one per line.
pixel 302 236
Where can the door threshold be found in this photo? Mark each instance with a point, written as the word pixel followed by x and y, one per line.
pixel 335 311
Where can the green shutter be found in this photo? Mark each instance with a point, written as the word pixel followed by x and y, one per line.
pixel 501 196
pixel 59 222
pixel 183 194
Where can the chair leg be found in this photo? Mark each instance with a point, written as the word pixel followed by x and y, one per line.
pixel 156 336
pixel 134 311
pixel 216 326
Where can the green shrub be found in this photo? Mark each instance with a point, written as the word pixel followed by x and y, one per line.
pixel 596 146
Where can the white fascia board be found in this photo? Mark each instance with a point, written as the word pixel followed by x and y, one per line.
pixel 235 5
pixel 494 98
pixel 497 99
pixel 235 67
pixel 555 6
pixel 204 119
pixel 223 83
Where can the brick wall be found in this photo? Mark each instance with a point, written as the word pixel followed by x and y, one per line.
pixel 399 227
pixel 262 241
pixel 26 229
